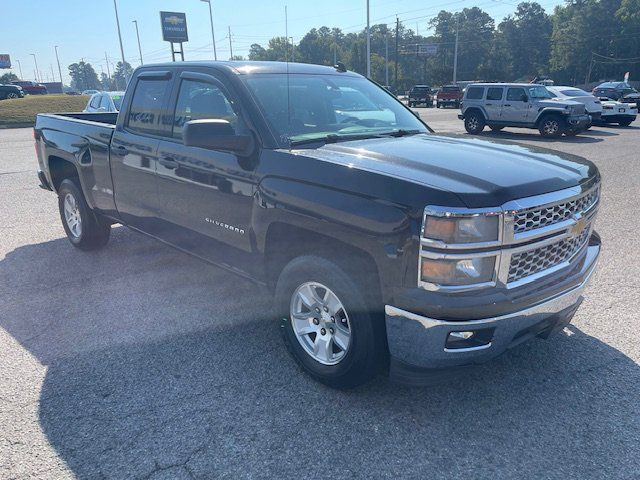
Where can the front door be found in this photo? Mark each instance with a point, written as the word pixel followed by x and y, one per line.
pixel 206 196
pixel 515 108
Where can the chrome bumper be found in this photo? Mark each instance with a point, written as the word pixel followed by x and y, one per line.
pixel 420 341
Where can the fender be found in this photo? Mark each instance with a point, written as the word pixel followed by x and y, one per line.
pixel 546 110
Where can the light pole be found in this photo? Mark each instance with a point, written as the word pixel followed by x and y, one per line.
pixel 115 6
pixel 138 36
pixel 36 62
pixel 455 55
pixel 368 44
pixel 20 69
pixel 58 60
pixel 213 36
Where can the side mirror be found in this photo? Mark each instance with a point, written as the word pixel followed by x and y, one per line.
pixel 524 98
pixel 215 134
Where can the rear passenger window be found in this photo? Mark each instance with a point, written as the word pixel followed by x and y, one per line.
pixel 475 93
pixel 104 103
pixel 198 101
pixel 516 94
pixel 95 101
pixel 145 112
pixel 494 93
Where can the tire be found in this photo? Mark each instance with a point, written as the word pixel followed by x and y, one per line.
pixel 438 105
pixel 474 122
pixel 625 123
pixel 551 126
pixel 84 229
pixel 11 96
pixel 366 349
pixel 410 104
pixel 572 133
pixel 496 128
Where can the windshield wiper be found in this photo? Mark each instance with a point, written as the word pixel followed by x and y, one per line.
pixel 333 138
pixel 399 133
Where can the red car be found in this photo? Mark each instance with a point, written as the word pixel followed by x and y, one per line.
pixel 449 95
pixel 32 88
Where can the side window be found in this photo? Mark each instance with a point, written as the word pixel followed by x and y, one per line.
pixel 105 103
pixel 145 111
pixel 475 93
pixel 516 94
pixel 201 100
pixel 494 93
pixel 95 101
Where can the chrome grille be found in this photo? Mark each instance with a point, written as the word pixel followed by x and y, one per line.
pixel 533 219
pixel 534 261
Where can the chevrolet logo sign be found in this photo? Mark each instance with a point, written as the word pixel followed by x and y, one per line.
pixel 578 227
pixel 174 20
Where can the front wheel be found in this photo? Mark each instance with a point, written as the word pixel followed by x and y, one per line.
pixel 327 326
pixel 551 126
pixel 474 123
pixel 84 229
pixel 12 95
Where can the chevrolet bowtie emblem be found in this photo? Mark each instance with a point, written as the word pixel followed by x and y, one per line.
pixel 578 228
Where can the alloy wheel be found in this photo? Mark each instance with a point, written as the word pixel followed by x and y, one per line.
pixel 72 215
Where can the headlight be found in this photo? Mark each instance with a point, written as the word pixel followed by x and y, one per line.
pixel 461 229
pixel 458 271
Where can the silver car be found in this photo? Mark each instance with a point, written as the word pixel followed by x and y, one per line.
pixel 105 102
pixel 591 103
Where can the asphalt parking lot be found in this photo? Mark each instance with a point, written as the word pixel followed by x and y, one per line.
pixel 141 362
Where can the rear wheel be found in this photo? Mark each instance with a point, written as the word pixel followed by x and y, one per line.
pixel 84 229
pixel 474 122
pixel 327 326
pixel 551 126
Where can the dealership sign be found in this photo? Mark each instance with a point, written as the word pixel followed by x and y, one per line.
pixel 427 50
pixel 174 27
pixel 5 60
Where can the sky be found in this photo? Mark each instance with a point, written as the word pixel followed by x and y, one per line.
pixel 86 29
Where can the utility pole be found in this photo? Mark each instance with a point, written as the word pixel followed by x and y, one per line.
pixel 115 6
pixel 386 59
pixel 138 35
pixel 335 48
pixel 395 70
pixel 58 60
pixel 455 55
pixel 20 69
pixel 588 77
pixel 106 59
pixel 368 43
pixel 286 34
pixel 230 44
pixel 213 36
pixel 36 62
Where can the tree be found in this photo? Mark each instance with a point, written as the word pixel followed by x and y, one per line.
pixel 122 75
pixel 83 76
pixel 8 78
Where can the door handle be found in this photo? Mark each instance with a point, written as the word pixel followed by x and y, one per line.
pixel 507 105
pixel 488 104
pixel 168 162
pixel 120 150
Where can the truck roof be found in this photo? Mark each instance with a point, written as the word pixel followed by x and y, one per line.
pixel 256 67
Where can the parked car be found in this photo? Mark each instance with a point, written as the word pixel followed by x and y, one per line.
pixel 31 88
pixel 449 95
pixel 10 92
pixel 90 92
pixel 421 95
pixel 624 114
pixel 386 247
pixel 591 103
pixel 620 91
pixel 104 102
pixel 526 105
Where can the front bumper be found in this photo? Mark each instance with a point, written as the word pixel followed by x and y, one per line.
pixel 578 122
pixel 417 343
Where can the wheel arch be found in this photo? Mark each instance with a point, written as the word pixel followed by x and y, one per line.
pixel 61 169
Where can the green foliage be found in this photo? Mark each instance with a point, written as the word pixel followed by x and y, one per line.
pixel 122 75
pixel 8 78
pixel 83 76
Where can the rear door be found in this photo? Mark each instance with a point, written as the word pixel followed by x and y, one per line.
pixel 515 109
pixel 493 103
pixel 206 196
pixel 134 149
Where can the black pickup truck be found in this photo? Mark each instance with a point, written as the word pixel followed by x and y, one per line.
pixel 387 247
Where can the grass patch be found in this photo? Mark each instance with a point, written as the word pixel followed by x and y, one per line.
pixel 23 111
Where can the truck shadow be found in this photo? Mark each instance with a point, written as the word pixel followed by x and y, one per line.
pixel 159 364
pixel 591 136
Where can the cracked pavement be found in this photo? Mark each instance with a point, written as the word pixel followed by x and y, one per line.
pixel 141 362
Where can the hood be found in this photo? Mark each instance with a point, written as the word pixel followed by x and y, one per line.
pixel 482 173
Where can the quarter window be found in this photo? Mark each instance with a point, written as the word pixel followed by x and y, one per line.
pixel 198 101
pixel 145 112
pixel 475 93
pixel 494 93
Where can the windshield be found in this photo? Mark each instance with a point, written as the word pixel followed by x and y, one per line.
pixel 539 92
pixel 575 92
pixel 322 106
